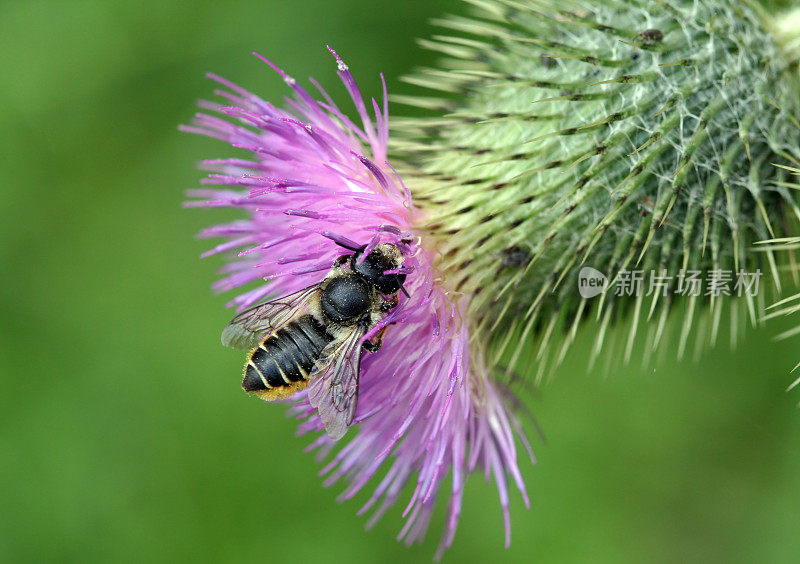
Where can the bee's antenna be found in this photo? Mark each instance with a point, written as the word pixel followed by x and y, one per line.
pixel 396 277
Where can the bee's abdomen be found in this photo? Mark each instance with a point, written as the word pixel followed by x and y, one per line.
pixel 286 356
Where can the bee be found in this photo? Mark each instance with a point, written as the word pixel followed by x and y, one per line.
pixel 312 338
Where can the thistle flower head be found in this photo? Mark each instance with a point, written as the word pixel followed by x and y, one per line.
pixel 315 180
pixel 618 134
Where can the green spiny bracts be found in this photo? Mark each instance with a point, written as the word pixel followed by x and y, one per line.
pixel 615 134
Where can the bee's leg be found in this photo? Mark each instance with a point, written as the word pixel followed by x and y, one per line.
pixel 341 260
pixel 389 304
pixel 375 344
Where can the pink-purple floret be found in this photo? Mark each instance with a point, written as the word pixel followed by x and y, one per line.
pixel 315 178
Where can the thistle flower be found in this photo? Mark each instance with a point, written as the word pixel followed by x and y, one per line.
pixel 620 134
pixel 615 134
pixel 315 178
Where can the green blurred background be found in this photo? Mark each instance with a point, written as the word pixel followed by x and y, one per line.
pixel 123 432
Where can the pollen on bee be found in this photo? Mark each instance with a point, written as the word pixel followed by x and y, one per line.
pixel 282 392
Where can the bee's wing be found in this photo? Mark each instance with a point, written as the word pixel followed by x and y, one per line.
pixel 249 327
pixel 334 384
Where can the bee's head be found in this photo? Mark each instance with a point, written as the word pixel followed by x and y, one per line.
pixel 382 258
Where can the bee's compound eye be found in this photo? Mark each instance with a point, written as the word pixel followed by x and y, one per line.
pixel 373 268
pixel 345 298
pixel 390 283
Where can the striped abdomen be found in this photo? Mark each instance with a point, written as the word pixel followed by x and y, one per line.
pixel 280 365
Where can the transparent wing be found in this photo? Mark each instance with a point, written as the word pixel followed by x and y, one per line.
pixel 334 384
pixel 249 327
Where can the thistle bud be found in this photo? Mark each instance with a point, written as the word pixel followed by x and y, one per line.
pixel 658 137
